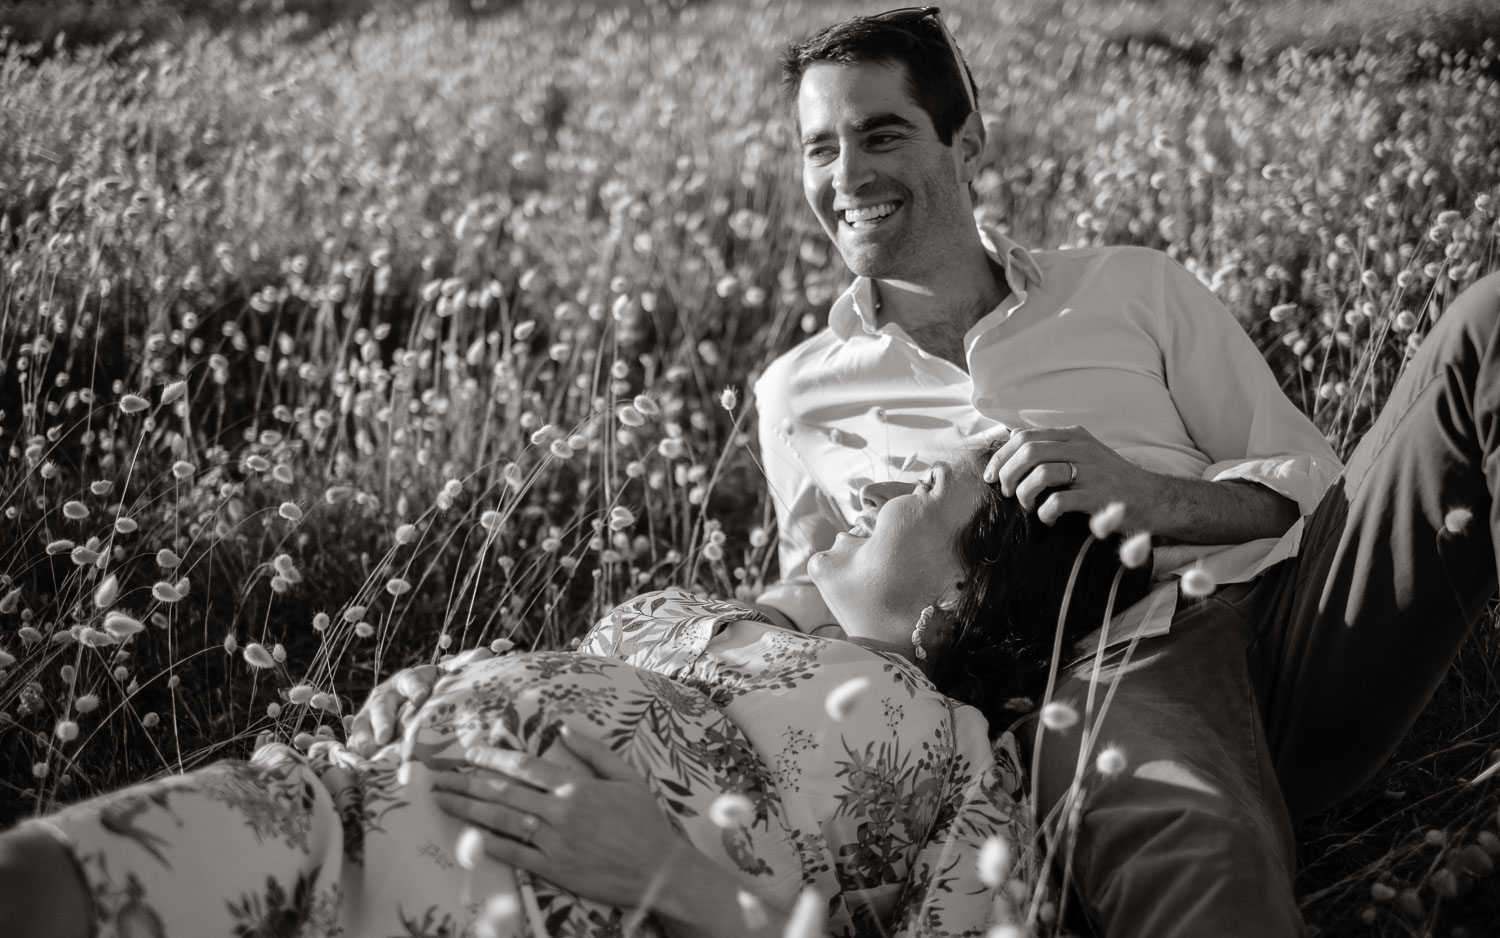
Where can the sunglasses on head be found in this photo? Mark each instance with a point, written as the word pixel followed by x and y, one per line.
pixel 916 15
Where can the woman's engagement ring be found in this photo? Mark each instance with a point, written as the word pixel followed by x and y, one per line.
pixel 529 824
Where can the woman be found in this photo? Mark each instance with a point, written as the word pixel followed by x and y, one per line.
pixel 847 772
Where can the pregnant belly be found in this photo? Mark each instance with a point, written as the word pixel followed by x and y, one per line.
pixel 689 751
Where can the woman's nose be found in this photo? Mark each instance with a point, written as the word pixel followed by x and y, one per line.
pixel 874 494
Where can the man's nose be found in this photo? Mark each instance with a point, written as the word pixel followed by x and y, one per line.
pixel 874 494
pixel 851 171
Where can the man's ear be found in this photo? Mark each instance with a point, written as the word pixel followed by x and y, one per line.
pixel 970 141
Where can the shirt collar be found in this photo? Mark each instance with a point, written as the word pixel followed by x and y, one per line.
pixel 855 307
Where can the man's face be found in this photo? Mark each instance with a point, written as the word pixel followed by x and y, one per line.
pixel 891 196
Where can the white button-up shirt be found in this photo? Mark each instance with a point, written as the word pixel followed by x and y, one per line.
pixel 1121 341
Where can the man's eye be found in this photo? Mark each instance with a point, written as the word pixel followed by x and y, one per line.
pixel 818 155
pixel 881 140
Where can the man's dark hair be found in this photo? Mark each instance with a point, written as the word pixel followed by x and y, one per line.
pixel 1004 623
pixel 932 77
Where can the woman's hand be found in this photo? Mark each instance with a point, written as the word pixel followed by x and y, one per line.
pixel 602 836
pixel 375 724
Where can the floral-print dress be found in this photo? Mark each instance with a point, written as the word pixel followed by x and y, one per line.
pixel 879 799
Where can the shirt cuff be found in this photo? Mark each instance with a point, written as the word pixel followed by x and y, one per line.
pixel 1303 479
pixel 800 602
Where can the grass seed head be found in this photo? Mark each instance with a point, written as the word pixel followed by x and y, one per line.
pixel 1135 550
pixel 1107 520
pixel 1058 716
pixel 809 918
pixel 133 404
pixel 842 700
pixel 1456 521
pixel 257 657
pixel 1198 583
pixel 108 591
pixel 731 811
pixel 121 626
pixel 1111 762
pixel 469 851
pixel 994 862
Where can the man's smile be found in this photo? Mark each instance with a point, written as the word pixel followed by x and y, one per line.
pixel 867 216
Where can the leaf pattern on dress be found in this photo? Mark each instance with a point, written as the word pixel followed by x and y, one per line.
pixel 125 908
pixel 274 912
pixel 272 803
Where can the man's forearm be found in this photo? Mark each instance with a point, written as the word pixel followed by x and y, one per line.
pixel 1195 511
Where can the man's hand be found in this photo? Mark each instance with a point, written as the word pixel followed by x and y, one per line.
pixel 375 724
pixel 1053 471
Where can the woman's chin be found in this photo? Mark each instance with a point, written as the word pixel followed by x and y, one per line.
pixel 823 567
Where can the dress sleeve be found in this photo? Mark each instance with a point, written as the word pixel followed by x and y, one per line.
pixel 1230 401
pixel 804 524
pixel 946 894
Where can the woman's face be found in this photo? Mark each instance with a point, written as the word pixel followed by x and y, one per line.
pixel 899 556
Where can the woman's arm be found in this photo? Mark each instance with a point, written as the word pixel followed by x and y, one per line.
pixel 602 837
pixel 375 724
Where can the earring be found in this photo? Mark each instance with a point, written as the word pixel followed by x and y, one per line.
pixel 916 633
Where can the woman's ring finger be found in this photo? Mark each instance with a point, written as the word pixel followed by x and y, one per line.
pixel 529 825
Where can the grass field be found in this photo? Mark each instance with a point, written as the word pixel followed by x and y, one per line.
pixel 333 343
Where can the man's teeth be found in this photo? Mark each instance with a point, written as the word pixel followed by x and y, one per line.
pixel 869 213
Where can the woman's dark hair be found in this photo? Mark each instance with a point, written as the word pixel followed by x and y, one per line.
pixel 1002 629
pixel 932 77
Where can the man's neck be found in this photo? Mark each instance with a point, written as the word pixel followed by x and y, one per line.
pixel 938 312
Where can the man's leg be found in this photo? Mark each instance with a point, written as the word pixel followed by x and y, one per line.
pixel 1192 838
pixel 1396 564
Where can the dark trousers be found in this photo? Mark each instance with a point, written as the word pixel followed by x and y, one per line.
pixel 1272 700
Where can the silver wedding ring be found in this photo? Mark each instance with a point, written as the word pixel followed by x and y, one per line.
pixel 529 825
pixel 1072 472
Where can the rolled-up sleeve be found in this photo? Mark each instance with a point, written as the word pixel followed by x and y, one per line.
pixel 1230 401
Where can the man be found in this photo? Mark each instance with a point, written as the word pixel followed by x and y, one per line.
pixel 951 331
pixel 1338 605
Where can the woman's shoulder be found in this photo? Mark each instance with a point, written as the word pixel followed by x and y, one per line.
pixel 673 621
